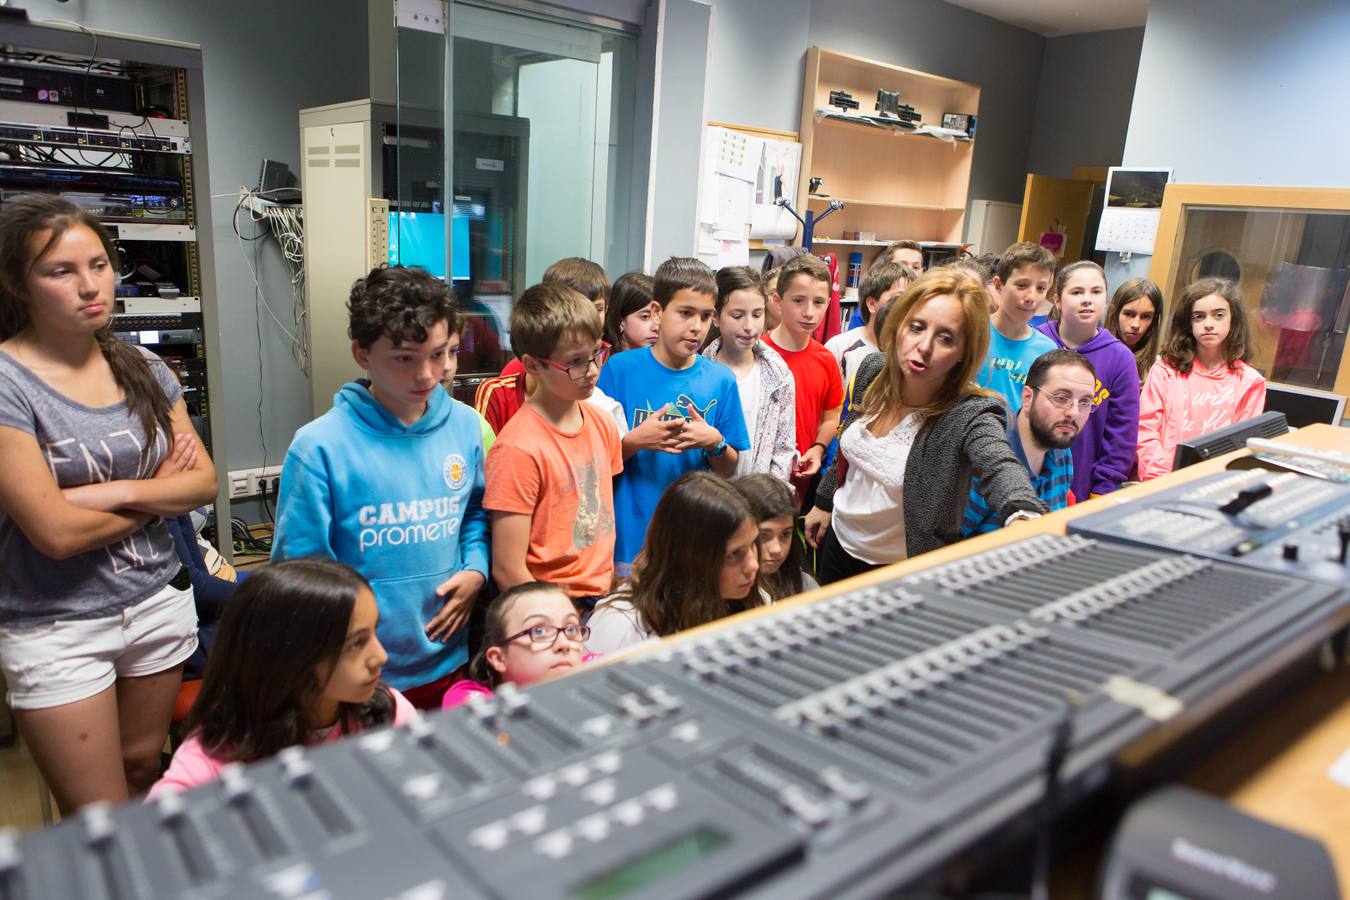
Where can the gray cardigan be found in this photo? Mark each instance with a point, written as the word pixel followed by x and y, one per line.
pixel 970 438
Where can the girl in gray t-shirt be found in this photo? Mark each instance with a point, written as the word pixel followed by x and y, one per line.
pixel 98 449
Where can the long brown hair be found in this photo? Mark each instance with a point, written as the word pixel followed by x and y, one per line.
pixel 674 585
pixel 771 498
pixel 1147 349
pixel 1179 351
pixel 884 391
pixel 22 219
pixel 632 292
pixel 283 625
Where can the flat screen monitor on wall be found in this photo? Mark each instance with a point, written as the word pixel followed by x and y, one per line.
pixel 418 239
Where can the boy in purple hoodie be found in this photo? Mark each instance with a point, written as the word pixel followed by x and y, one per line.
pixel 1103 454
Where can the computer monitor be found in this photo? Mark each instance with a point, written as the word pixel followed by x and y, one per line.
pixel 418 239
pixel 1304 406
pixel 1226 440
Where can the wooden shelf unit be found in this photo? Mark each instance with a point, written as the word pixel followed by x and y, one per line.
pixel 911 186
pixel 922 207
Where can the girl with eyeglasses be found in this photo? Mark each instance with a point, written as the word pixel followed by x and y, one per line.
pixel 1103 453
pixel 295 661
pixel 531 633
pixel 920 430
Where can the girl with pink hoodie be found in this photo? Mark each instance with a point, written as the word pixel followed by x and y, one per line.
pixel 1201 381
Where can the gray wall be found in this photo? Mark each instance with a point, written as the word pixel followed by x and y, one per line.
pixel 758 53
pixel 756 68
pixel 1083 105
pixel 263 61
pixel 942 39
pixel 1244 92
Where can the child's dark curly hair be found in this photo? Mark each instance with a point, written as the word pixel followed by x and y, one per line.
pixel 399 303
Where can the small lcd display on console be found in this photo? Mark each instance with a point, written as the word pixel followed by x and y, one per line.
pixel 678 855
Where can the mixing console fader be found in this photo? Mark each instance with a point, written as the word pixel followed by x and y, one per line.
pixel 847 747
pixel 1279 521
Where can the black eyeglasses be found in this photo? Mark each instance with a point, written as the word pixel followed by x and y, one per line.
pixel 547 635
pixel 578 370
pixel 1065 402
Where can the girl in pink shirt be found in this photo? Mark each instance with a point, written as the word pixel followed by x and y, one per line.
pixel 295 661
pixel 1201 381
pixel 532 632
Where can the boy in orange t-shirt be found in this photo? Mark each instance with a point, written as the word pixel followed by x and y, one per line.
pixel 550 473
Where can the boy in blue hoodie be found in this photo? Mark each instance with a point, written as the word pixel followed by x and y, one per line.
pixel 1103 453
pixel 390 481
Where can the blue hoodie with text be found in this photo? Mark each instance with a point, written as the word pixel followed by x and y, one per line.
pixel 401 504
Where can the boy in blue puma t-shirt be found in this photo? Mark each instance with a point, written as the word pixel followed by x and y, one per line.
pixel 684 411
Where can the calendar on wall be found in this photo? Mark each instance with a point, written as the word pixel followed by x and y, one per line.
pixel 1133 207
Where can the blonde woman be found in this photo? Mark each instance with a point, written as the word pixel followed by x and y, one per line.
pixel 900 482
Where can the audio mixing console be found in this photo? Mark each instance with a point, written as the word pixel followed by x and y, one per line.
pixel 847 747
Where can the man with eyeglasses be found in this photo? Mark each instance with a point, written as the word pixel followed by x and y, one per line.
pixel 1057 400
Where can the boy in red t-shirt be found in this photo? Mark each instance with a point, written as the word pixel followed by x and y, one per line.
pixel 801 297
pixel 550 473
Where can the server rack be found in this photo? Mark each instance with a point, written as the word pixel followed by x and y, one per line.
pixel 117 123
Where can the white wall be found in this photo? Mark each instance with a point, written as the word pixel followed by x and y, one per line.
pixel 1244 92
pixel 755 69
pixel 681 72
pixel 1241 92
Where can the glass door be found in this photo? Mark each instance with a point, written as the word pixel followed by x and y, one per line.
pixel 540 158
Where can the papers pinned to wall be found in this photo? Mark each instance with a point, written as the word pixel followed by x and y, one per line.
pixel 734 154
pixel 740 176
pixel 780 166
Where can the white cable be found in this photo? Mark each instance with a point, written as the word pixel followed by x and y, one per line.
pixel 284 223
pixel 254 275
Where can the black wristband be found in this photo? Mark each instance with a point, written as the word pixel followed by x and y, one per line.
pixel 823 448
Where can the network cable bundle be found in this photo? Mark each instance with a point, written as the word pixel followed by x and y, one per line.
pixel 274 208
pixel 855 746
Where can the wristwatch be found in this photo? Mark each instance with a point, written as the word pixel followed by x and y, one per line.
pixel 717 450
